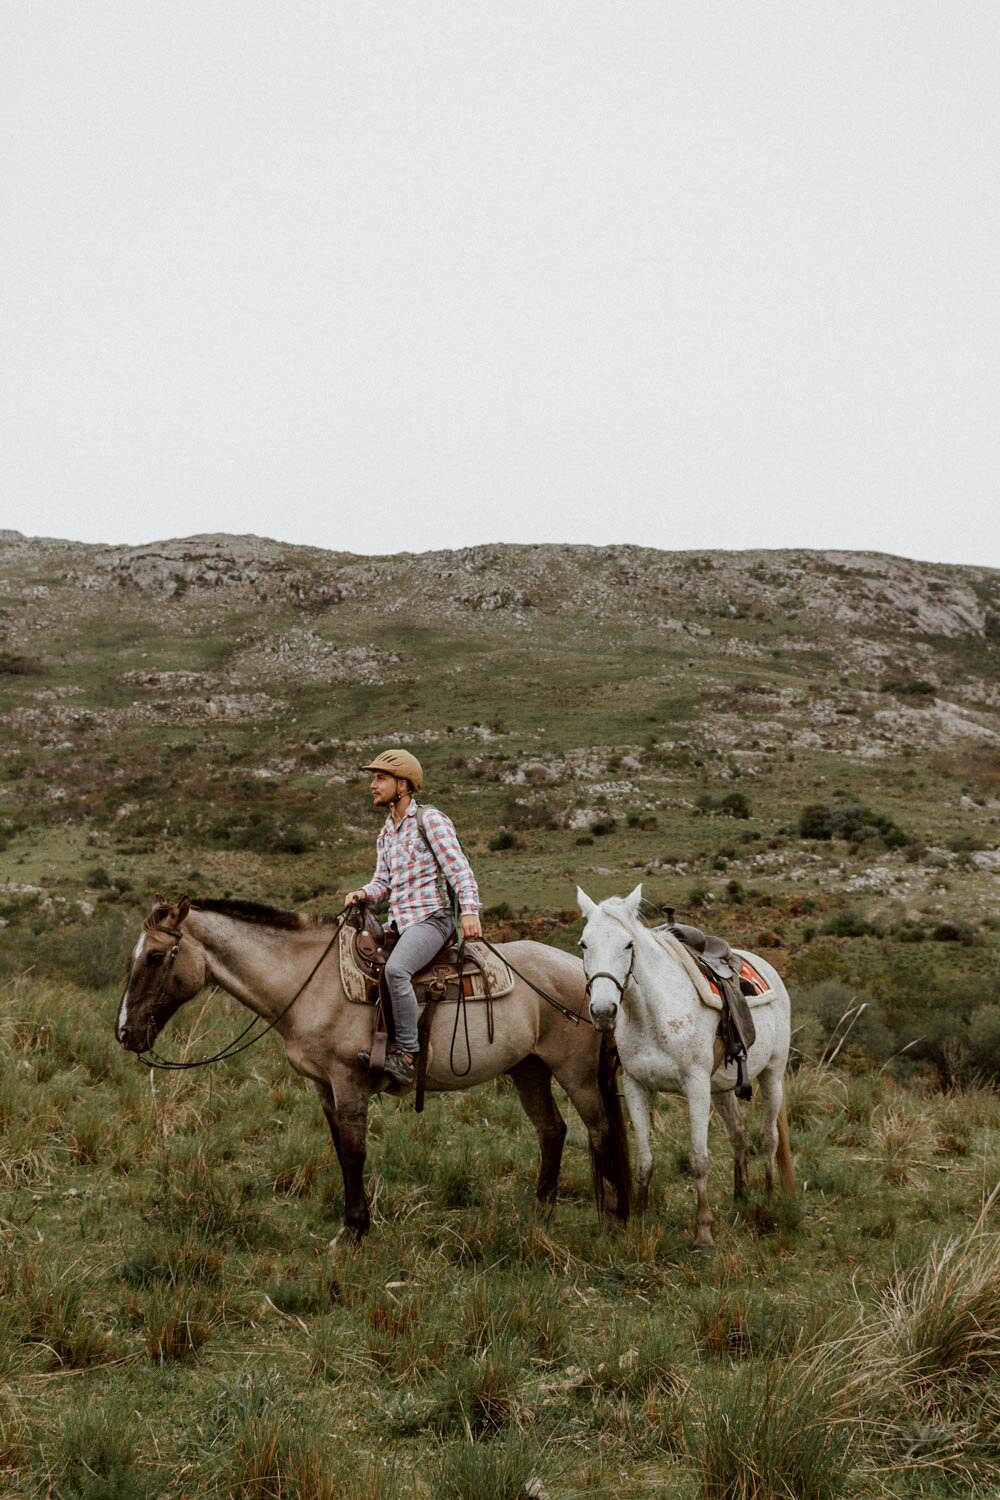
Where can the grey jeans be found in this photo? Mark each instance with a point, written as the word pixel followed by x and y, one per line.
pixel 416 947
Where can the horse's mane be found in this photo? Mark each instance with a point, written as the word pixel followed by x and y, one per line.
pixel 261 914
pixel 616 907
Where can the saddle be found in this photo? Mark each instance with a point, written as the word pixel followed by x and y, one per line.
pixel 724 970
pixel 456 974
pixel 366 945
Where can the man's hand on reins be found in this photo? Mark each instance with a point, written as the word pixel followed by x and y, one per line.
pixel 471 925
pixel 354 897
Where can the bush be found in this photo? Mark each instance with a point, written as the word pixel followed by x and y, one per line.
pixel 850 821
pixel 505 839
pixel 848 924
pixel 953 932
pixel 984 1038
pixel 732 805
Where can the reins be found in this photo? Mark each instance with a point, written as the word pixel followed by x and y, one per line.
pixel 237 1044
pixel 571 1015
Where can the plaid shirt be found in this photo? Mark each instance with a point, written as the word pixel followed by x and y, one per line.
pixel 405 870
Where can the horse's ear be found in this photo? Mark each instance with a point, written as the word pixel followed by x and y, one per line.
pixel 183 907
pixel 634 899
pixel 583 901
pixel 161 910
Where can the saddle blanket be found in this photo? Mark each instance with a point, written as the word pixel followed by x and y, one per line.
pixel 707 990
pixel 356 983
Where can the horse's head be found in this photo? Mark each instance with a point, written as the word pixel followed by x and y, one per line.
pixel 166 969
pixel 608 953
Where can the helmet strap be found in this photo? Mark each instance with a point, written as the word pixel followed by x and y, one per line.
pixel 400 795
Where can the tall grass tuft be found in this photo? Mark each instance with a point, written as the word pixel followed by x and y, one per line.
pixel 13 1429
pixel 265 1447
pixel 178 1319
pixel 478 1396
pixel 506 1469
pixel 778 1430
pixel 903 1145
pixel 57 1316
pixel 945 1319
pixel 96 1458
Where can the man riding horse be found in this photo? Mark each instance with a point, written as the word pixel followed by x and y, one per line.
pixel 418 856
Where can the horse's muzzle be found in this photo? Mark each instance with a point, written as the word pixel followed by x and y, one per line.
pixel 603 1017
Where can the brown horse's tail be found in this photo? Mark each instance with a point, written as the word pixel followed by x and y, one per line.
pixel 785 1164
pixel 612 1167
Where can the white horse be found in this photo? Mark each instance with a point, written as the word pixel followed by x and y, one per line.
pixel 666 1038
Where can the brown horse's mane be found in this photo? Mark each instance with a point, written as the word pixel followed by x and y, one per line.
pixel 263 915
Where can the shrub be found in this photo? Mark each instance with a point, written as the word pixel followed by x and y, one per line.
pixel 848 924
pixel 12 665
pixel 953 932
pixel 984 1038
pixel 505 839
pixel 850 821
pixel 732 805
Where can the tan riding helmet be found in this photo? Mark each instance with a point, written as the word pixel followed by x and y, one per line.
pixel 399 763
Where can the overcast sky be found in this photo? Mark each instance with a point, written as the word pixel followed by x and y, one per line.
pixel 409 275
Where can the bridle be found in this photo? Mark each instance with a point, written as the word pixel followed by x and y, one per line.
pixel 244 1039
pixel 620 984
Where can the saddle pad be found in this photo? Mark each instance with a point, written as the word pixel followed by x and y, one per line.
pixel 355 983
pixel 707 990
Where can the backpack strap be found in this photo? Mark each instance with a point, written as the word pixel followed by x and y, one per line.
pixel 452 893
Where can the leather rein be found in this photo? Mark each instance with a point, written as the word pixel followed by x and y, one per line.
pixel 576 1016
pixel 244 1039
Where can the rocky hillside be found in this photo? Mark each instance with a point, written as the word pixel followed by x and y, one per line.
pixel 776 735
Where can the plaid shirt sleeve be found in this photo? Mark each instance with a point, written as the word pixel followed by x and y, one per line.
pixel 440 831
pixel 378 887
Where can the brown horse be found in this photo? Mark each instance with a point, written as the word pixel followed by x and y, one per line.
pixel 262 956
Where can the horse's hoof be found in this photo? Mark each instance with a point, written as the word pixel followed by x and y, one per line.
pixel 347 1236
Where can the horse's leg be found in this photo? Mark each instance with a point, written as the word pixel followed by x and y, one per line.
pixel 729 1111
pixel 533 1081
pixel 596 1102
pixel 774 1129
pixel 346 1113
pixel 639 1101
pixel 699 1098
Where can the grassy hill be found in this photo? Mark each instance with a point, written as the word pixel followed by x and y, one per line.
pixel 797 749
pixel 191 715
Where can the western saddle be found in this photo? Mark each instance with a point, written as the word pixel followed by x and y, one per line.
pixel 455 973
pixel 718 962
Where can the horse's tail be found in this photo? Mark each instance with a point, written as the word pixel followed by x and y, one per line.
pixel 612 1168
pixel 785 1164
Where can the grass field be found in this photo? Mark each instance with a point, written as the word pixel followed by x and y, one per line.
pixel 173 1323
pixel 798 750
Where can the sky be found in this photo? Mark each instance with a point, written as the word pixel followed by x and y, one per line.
pixel 392 276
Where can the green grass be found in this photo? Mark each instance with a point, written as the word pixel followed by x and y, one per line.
pixel 165 1244
pixel 169 1305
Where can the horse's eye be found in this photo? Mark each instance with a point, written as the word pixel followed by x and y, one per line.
pixel 154 957
pixel 582 943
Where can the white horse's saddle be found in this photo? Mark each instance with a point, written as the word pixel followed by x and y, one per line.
pixel 756 990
